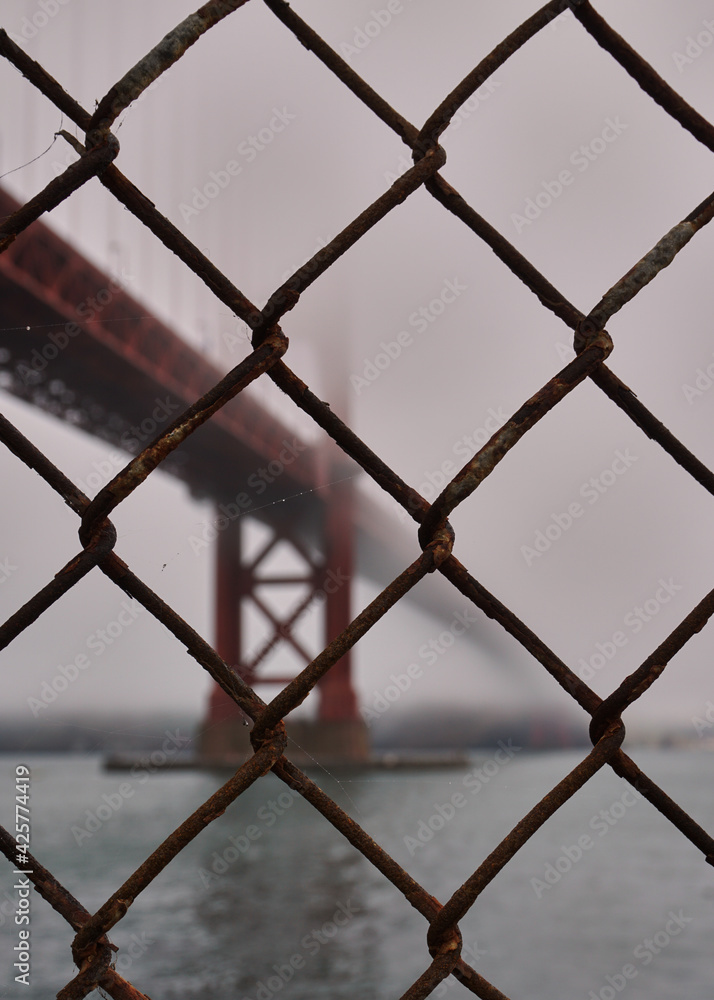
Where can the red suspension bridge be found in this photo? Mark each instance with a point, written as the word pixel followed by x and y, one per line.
pixel 77 345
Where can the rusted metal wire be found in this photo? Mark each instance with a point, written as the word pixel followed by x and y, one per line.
pixel 92 951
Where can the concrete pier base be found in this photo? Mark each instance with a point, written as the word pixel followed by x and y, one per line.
pixel 226 743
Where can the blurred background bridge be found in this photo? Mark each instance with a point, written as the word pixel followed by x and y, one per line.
pixel 75 344
pixel 136 312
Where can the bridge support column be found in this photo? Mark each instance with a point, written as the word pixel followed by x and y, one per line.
pixel 338 734
pixel 339 727
pixel 224 736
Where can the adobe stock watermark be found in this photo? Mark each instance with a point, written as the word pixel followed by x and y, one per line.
pixel 462 115
pixel 333 581
pixel 704 724
pixel 556 21
pixel 310 944
pixel 60 164
pixel 97 643
pixel 430 653
pixel 8 911
pixel 644 953
pixel 30 371
pixel 239 844
pixel 132 441
pixel 465 448
pixel 601 823
pixel 633 623
pixel 241 337
pixel 6 570
pixel 364 35
pixel 420 320
pixel 258 483
pixel 137 947
pixel 591 490
pixel 208 982
pixel 95 819
pixel 31 26
pixel 694 46
pixel 474 781
pixel 702 382
pixel 470 953
pixel 581 158
pixel 248 151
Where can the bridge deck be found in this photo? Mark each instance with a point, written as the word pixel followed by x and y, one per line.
pixel 75 343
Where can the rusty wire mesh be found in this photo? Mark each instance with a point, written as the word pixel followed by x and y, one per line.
pixel 91 949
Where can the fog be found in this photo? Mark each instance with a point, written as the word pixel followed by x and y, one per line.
pixel 418 336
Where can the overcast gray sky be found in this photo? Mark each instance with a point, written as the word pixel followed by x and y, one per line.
pixel 564 155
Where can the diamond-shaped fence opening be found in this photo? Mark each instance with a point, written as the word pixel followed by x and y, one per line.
pixel 450 950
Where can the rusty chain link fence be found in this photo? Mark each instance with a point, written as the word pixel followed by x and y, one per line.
pixel 92 950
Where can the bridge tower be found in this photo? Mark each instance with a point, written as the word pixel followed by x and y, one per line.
pixel 323 548
pixel 338 733
pixel 107 377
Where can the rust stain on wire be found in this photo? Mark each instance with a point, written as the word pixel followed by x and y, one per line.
pixel 171 48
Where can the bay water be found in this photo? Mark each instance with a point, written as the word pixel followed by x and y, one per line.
pixel 606 900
